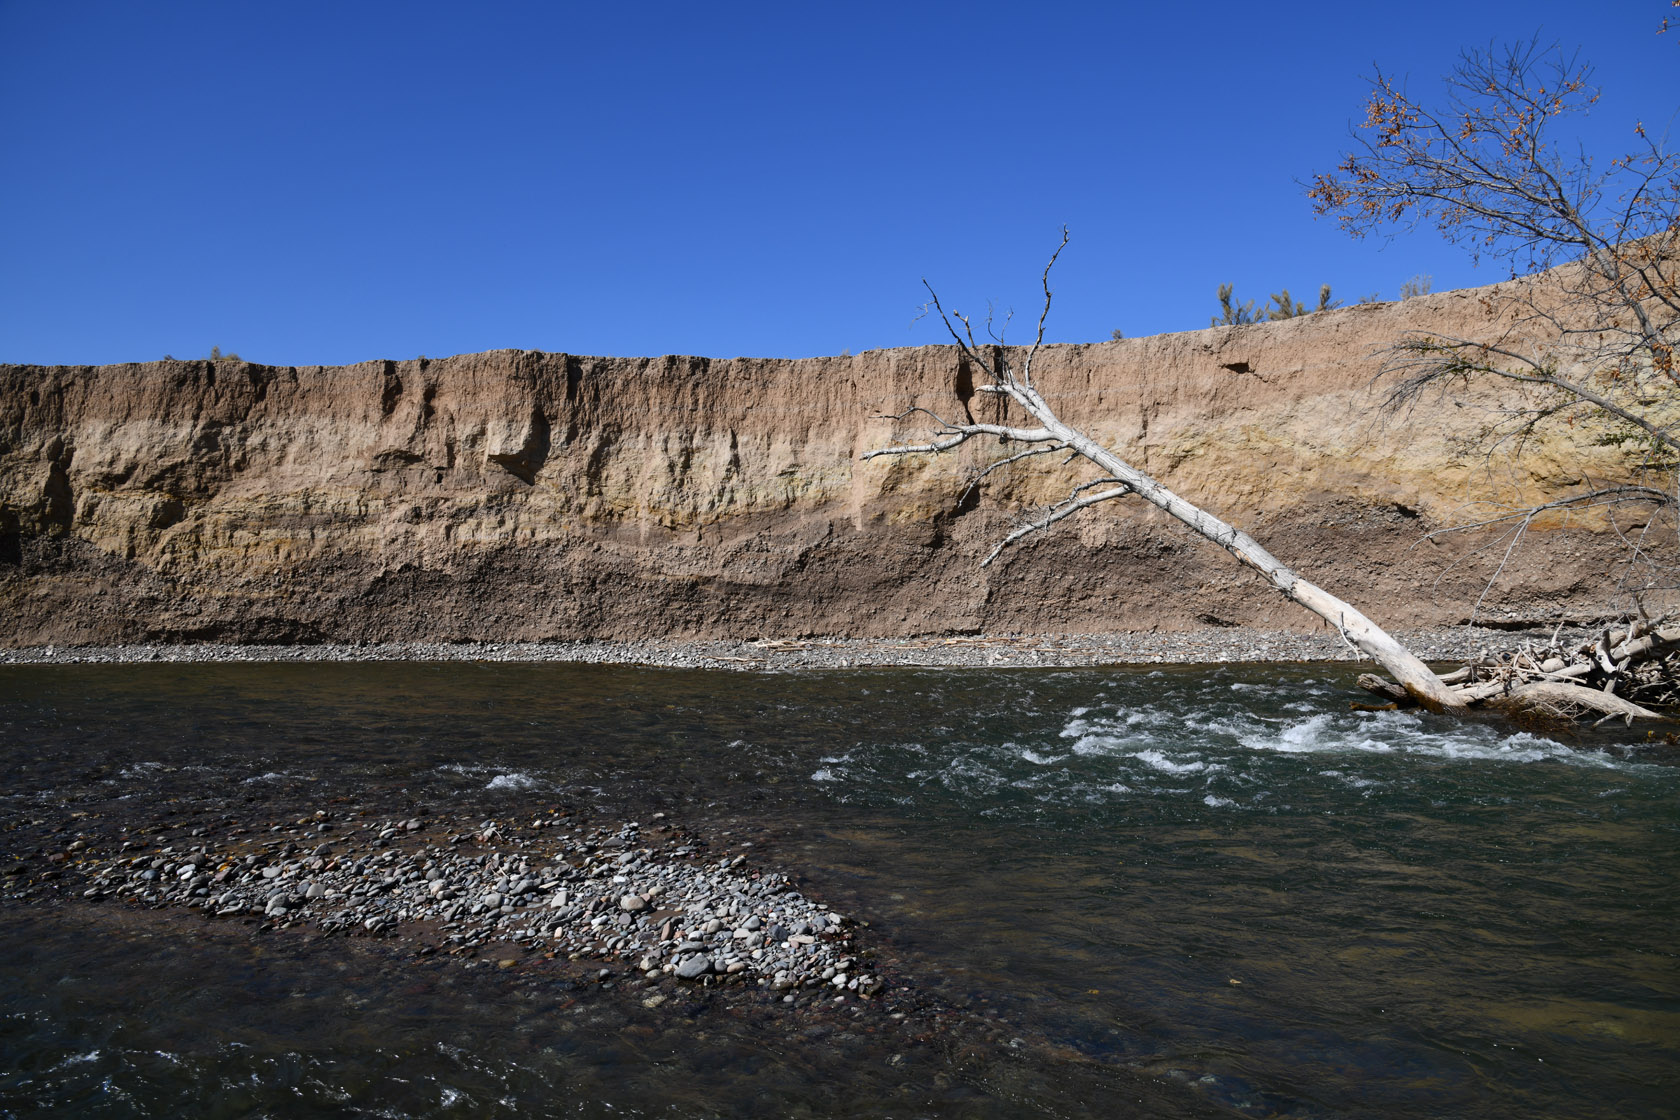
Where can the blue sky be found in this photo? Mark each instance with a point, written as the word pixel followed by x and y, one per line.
pixel 323 183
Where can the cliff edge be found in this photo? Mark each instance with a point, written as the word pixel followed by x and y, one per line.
pixel 516 495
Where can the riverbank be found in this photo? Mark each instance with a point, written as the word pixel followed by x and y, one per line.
pixel 526 496
pixel 1211 646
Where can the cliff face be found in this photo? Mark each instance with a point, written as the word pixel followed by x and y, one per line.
pixel 518 495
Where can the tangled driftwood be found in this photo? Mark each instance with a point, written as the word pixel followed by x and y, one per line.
pixel 1621 673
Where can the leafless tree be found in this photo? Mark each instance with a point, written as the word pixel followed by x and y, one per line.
pixel 1116 479
pixel 1113 478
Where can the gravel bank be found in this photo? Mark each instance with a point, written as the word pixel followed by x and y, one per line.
pixel 651 901
pixel 1193 647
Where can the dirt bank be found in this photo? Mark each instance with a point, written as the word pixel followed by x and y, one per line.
pixel 516 496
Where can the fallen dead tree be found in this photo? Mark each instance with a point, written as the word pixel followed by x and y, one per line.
pixel 1590 344
pixel 1413 681
pixel 1620 674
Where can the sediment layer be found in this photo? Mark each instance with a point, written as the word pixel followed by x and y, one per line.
pixel 523 496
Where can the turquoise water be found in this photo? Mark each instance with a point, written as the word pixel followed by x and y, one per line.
pixel 1171 892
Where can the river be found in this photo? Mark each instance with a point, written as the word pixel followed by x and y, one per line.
pixel 1171 892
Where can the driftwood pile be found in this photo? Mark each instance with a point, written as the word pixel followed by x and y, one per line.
pixel 1622 674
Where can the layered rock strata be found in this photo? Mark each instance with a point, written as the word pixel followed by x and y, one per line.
pixel 525 496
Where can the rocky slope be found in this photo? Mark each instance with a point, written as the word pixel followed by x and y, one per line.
pixel 515 495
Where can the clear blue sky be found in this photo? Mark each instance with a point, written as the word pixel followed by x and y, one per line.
pixel 322 183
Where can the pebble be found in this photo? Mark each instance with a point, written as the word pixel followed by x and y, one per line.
pixel 718 921
pixel 1208 646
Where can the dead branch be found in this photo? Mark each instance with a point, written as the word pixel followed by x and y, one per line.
pixel 980 475
pixel 1571 683
pixel 1591 344
pixel 1563 698
pixel 1419 682
pixel 1057 513
pixel 961 434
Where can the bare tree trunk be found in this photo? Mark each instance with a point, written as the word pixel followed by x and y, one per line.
pixel 1120 479
pixel 1528 697
pixel 1556 682
pixel 1418 679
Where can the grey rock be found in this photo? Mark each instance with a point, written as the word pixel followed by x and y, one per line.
pixel 692 968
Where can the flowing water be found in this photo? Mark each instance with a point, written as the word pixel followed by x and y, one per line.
pixel 1201 891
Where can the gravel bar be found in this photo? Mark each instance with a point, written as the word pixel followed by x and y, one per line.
pixel 1191 647
pixel 657 902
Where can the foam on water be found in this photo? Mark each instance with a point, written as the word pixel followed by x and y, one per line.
pixel 502 779
pixel 1218 744
pixel 1320 733
pixel 270 776
pixel 1158 761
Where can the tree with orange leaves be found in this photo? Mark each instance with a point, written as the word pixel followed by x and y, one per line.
pixel 1587 332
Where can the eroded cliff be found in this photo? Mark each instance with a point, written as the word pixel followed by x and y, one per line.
pixel 516 495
